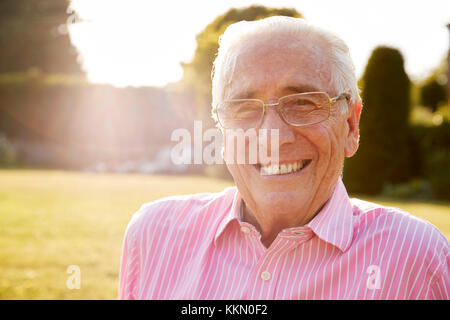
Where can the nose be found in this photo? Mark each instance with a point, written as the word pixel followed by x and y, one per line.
pixel 273 120
pixel 273 146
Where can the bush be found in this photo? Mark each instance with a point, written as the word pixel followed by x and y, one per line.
pixel 439 173
pixel 432 156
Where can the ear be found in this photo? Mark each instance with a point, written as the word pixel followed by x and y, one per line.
pixel 352 139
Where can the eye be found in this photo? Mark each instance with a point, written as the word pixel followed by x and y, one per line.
pixel 246 108
pixel 302 102
pixel 247 111
pixel 241 110
pixel 300 105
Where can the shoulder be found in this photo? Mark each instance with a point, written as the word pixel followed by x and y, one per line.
pixel 401 231
pixel 369 214
pixel 178 212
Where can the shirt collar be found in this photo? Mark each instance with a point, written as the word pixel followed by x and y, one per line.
pixel 232 214
pixel 333 224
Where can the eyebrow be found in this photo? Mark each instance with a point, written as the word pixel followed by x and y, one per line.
pixel 293 89
pixel 301 88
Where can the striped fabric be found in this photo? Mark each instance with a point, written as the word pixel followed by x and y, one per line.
pixel 197 247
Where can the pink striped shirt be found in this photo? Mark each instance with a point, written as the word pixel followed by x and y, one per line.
pixel 197 247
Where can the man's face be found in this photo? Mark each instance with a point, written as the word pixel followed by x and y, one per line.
pixel 268 69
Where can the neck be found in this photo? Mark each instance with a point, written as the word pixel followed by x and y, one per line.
pixel 269 226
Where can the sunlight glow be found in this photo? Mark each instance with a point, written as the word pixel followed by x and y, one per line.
pixel 129 43
pixel 142 42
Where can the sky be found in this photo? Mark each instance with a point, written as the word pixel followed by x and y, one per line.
pixel 142 42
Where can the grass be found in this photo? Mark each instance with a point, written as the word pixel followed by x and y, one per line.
pixel 50 220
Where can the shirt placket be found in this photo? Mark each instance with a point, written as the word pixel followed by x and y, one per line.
pixel 265 277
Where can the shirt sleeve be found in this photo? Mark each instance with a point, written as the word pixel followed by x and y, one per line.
pixel 128 267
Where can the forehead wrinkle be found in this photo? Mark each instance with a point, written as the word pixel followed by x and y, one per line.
pixel 313 52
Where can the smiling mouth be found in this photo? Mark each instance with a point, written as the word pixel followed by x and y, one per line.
pixel 283 169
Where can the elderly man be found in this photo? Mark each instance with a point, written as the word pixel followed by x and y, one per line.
pixel 287 230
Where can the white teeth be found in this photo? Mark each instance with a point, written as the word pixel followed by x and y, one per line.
pixel 275 169
pixel 282 169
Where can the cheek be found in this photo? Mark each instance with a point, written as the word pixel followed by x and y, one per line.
pixel 232 155
pixel 327 140
pixel 242 150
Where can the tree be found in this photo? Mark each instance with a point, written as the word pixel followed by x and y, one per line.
pixel 383 153
pixel 197 73
pixel 32 35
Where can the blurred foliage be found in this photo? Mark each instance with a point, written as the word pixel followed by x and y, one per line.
pixel 439 173
pixel 33 34
pixel 431 157
pixel 433 89
pixel 424 116
pixel 8 153
pixel 432 93
pixel 383 155
pixel 35 75
pixel 197 73
pixel 414 189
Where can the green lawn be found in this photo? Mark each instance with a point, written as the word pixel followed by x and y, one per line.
pixel 50 220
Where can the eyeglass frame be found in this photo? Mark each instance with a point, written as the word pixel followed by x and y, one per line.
pixel 341 96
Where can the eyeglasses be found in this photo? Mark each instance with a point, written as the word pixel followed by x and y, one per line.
pixel 299 109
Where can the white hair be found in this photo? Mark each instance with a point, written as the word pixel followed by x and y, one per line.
pixel 343 76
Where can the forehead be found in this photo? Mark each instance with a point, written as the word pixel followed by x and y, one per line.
pixel 271 65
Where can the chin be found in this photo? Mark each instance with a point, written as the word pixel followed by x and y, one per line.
pixel 282 202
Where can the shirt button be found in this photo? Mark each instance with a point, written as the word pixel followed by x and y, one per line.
pixel 245 230
pixel 265 275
